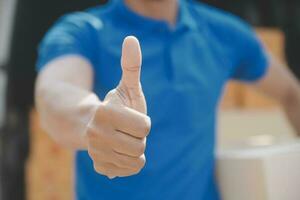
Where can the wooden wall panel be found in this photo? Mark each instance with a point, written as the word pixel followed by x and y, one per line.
pixel 50 167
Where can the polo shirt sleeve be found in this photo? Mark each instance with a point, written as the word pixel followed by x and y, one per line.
pixel 251 60
pixel 71 35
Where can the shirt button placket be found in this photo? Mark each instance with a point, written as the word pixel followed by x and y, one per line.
pixel 168 35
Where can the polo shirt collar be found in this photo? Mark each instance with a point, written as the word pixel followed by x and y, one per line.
pixel 185 18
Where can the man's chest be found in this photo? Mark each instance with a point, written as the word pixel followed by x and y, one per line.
pixel 176 61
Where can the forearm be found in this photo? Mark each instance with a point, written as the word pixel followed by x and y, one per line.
pixel 292 109
pixel 65 111
pixel 282 85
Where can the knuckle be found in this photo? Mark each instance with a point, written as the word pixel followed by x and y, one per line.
pixel 140 149
pixel 108 110
pixel 111 175
pixel 144 160
pixel 92 154
pixel 101 111
pixel 93 145
pixel 146 126
pixel 141 162
pixel 91 134
pixel 98 115
pixel 101 107
pixel 109 172
pixel 103 114
pixel 100 170
pixel 104 170
pixel 136 171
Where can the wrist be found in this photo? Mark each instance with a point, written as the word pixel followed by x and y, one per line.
pixel 87 109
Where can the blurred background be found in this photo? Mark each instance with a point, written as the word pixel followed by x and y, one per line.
pixel 33 167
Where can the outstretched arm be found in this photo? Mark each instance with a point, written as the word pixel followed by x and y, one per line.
pixel 113 131
pixel 64 99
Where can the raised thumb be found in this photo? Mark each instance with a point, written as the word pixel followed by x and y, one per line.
pixel 131 62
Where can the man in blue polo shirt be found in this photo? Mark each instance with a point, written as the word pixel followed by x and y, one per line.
pixel 91 102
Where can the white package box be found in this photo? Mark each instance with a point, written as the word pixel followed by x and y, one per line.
pixel 260 173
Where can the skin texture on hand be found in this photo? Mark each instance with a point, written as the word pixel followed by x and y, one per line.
pixel 116 135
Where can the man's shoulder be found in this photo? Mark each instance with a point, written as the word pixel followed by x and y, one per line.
pixel 216 18
pixel 93 17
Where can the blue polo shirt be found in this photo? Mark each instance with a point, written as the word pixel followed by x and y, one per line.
pixel 184 71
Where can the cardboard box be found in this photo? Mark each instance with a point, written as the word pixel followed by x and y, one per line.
pixel 268 171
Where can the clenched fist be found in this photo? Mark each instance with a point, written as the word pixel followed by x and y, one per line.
pixel 117 133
